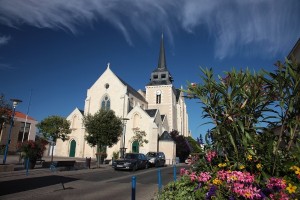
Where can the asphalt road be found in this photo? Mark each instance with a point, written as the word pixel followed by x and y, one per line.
pixel 106 184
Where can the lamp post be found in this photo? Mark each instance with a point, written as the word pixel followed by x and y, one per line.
pixel 15 103
pixel 123 149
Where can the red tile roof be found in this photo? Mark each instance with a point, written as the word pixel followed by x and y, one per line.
pixel 23 116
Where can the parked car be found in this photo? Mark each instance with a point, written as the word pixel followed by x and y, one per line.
pixel 156 159
pixel 131 161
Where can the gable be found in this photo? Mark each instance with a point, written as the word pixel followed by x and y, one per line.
pixel 108 77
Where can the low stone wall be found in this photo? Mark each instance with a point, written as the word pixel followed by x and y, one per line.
pixel 7 168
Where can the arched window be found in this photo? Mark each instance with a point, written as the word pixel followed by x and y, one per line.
pixel 74 121
pixel 158 98
pixel 136 120
pixel 105 104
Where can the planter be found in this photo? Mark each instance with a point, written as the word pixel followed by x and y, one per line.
pixel 102 155
pixel 31 164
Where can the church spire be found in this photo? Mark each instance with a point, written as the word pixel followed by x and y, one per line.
pixel 161 75
pixel 162 58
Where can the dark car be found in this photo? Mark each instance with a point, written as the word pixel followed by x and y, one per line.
pixel 156 159
pixel 131 161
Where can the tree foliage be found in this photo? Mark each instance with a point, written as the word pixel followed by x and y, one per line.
pixel 195 147
pixel 5 111
pixel 243 106
pixel 54 127
pixel 139 136
pixel 182 146
pixel 103 128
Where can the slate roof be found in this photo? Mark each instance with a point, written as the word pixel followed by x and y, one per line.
pixel 81 111
pixel 162 66
pixel 177 93
pixel 133 91
pixel 294 49
pixel 159 82
pixel 165 136
pixel 161 69
pixel 151 112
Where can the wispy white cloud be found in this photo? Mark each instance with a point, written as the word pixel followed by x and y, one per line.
pixel 5 67
pixel 268 26
pixel 4 40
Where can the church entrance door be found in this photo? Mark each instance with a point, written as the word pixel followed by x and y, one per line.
pixel 135 147
pixel 72 148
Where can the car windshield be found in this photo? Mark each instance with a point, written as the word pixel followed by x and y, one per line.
pixel 131 156
pixel 151 154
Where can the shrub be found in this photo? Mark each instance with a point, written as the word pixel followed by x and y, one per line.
pixel 33 150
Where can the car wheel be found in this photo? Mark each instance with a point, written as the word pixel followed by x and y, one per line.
pixel 135 167
pixel 156 164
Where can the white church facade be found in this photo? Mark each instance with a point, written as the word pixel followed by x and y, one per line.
pixel 156 110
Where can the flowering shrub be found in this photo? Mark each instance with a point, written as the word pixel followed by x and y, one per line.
pixel 247 160
pixel 221 181
pixel 229 185
pixel 32 149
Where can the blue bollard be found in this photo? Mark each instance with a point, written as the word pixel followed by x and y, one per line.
pixel 159 180
pixel 133 183
pixel 27 166
pixel 174 172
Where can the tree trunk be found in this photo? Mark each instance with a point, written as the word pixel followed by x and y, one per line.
pixel 98 155
pixel 52 153
pixel 53 145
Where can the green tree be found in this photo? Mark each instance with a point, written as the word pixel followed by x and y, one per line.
pixel 183 149
pixel 54 127
pixel 139 137
pixel 194 145
pixel 245 107
pixel 284 84
pixel 5 111
pixel 103 129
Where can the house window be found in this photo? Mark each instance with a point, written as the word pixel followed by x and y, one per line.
pixel 23 132
pixel 155 76
pixel 105 104
pixel 163 76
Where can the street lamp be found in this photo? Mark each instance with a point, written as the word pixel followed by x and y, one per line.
pixel 123 149
pixel 15 103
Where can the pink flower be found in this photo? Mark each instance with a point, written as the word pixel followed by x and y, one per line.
pixel 193 176
pixel 277 183
pixel 210 155
pixel 182 171
pixel 222 175
pixel 279 196
pixel 204 177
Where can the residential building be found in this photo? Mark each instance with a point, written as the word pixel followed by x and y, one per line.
pixel 24 128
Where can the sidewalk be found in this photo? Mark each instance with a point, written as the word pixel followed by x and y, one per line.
pixel 18 169
pixel 41 182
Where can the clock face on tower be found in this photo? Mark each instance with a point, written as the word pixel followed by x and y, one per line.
pixel 158 92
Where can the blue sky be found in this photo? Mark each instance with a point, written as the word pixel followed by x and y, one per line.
pixel 58 49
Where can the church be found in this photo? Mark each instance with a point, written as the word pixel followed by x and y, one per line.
pixel 156 110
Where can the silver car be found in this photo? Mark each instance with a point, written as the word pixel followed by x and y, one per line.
pixel 156 159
